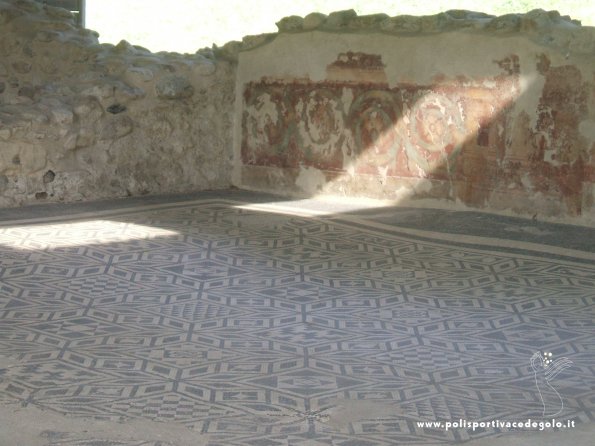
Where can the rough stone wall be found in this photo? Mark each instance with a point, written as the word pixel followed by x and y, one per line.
pixel 494 112
pixel 82 121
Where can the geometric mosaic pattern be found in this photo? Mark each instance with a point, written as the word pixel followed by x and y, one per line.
pixel 259 328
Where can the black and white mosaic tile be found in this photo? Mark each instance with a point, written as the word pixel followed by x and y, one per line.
pixel 261 328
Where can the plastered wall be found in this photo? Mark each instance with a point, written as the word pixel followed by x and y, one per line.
pixel 496 113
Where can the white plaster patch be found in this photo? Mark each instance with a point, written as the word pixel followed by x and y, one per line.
pixel 347 98
pixel 488 83
pixel 310 180
pixel 529 94
pixel 423 186
pixel 526 182
pixel 267 108
pixel 382 173
pixel 587 129
pixel 351 170
pixel 550 157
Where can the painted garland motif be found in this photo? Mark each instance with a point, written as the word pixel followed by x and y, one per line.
pixel 435 128
pixel 389 132
pixel 372 119
pixel 320 129
pixel 322 122
pixel 264 127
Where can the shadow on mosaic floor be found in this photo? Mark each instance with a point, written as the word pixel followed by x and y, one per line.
pixel 252 327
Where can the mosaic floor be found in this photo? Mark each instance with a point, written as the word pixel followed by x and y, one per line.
pixel 257 327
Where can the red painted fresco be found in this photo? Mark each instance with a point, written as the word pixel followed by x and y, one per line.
pixel 558 161
pixel 458 130
pixel 410 130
